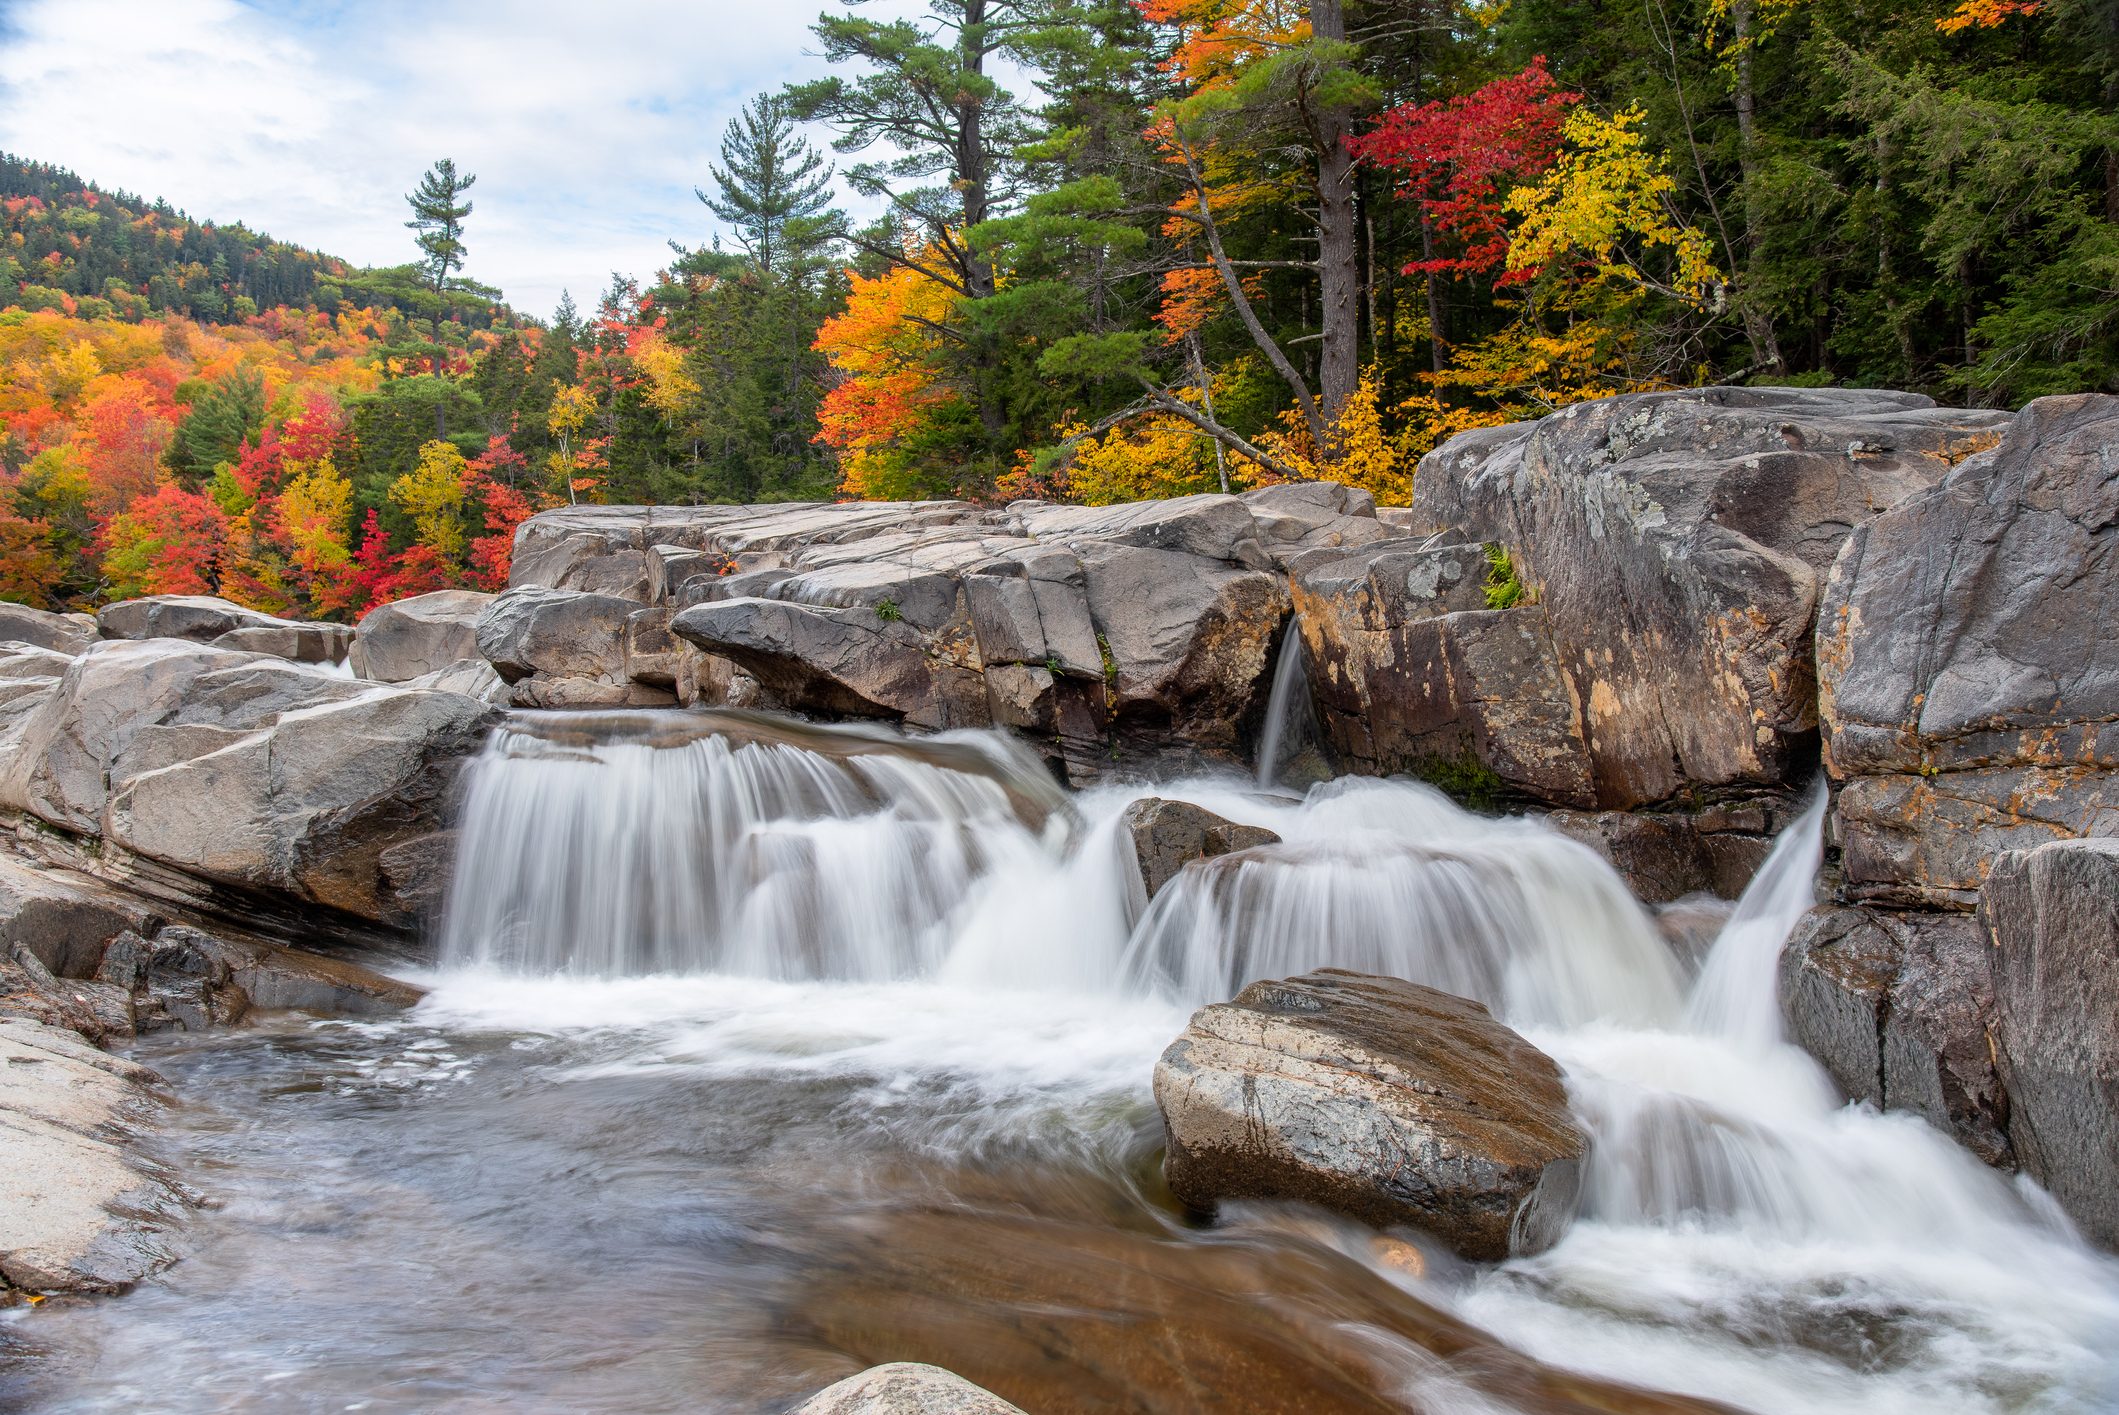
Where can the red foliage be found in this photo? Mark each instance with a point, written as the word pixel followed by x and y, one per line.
pixel 1460 156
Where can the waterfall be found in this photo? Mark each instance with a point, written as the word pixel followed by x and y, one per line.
pixel 931 914
pixel 1290 715
pixel 671 843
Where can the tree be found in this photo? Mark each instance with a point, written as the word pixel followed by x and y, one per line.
pixel 438 220
pixel 772 188
pixel 224 416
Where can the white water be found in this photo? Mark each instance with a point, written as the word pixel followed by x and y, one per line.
pixel 987 971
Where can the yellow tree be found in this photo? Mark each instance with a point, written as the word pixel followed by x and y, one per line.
pixel 432 495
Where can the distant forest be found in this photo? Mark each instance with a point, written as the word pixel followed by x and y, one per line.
pixel 1203 244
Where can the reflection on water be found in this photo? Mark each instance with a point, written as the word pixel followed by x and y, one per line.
pixel 755 1119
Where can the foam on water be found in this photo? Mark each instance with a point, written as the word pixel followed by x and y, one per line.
pixel 988 975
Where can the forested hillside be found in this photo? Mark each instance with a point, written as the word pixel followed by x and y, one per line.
pixel 1205 242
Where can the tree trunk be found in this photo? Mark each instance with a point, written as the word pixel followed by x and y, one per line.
pixel 1338 250
pixel 1758 324
pixel 973 178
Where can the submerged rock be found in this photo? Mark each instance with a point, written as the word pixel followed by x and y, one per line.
pixel 1168 835
pixel 1376 1098
pixel 904 1388
pixel 81 1214
pixel 2051 918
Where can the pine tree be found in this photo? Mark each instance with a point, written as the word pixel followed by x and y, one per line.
pixel 772 187
pixel 440 221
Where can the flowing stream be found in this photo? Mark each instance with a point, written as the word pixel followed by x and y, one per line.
pixel 758 1052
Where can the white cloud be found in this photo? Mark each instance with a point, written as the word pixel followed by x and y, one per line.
pixel 588 125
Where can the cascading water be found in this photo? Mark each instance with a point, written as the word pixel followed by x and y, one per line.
pixel 1290 714
pixel 807 958
pixel 1781 1250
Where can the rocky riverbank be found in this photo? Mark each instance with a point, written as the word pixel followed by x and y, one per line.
pixel 1651 620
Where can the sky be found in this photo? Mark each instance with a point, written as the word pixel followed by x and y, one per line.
pixel 588 125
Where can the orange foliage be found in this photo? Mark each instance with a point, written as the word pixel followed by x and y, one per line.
pixel 1984 14
pixel 888 390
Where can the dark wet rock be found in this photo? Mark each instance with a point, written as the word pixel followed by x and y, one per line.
pixel 243 771
pixel 1968 685
pixel 411 638
pixel 1667 855
pixel 1677 543
pixel 78 952
pixel 564 649
pixel 81 1213
pixel 1376 1098
pixel 1168 835
pixel 41 628
pixel 904 1388
pixel 2051 918
pixel 1411 672
pixel 1897 1008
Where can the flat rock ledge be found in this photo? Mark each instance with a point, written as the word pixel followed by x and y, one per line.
pixel 905 1388
pixel 81 1214
pixel 1378 1099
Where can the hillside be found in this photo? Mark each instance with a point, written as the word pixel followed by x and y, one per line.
pixel 68 244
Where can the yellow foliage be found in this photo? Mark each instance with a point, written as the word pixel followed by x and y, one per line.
pixel 1156 456
pixel 1607 202
pixel 432 494
pixel 572 406
pixel 669 387
pixel 316 511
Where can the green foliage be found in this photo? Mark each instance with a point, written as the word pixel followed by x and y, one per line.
pixel 437 222
pixel 224 415
pixel 1465 779
pixel 887 610
pixel 1504 588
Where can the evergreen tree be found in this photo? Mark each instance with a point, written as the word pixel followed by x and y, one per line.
pixel 771 187
pixel 438 218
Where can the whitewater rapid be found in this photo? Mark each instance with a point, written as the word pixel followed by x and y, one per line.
pixel 718 897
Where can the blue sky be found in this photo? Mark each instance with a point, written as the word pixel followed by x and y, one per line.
pixel 588 124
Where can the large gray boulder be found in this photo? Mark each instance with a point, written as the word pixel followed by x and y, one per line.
pixel 1677 543
pixel 82 1214
pixel 1132 631
pixel 904 1388
pixel 199 618
pixel 1897 1007
pixel 41 628
pixel 1377 1098
pixel 850 662
pixel 2051 919
pixel 207 619
pixel 1968 683
pixel 411 638
pixel 243 771
pixel 1412 672
pixel 564 649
